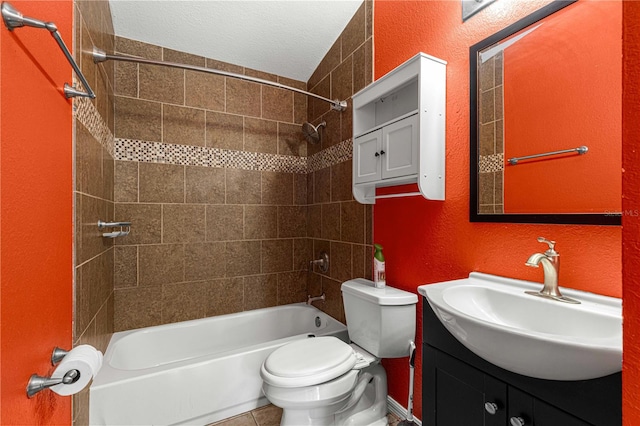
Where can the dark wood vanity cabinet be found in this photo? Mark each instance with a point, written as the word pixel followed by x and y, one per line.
pixel 462 389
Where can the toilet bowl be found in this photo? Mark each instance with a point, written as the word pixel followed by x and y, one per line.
pixel 325 381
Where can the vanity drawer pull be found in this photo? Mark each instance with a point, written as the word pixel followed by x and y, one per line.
pixel 517 421
pixel 491 407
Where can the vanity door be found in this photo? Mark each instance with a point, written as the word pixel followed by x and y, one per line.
pixel 457 394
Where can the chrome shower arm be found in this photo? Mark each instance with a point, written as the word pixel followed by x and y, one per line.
pixel 101 56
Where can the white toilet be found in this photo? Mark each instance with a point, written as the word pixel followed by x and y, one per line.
pixel 324 381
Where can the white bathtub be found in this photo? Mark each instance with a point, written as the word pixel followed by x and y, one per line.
pixel 197 372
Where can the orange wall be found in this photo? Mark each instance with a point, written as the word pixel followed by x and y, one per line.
pixel 541 91
pixel 427 242
pixel 631 220
pixel 36 212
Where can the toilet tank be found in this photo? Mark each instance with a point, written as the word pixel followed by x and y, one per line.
pixel 380 320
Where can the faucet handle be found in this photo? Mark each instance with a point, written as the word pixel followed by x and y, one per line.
pixel 551 251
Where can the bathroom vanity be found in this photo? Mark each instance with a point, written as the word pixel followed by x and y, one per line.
pixel 460 388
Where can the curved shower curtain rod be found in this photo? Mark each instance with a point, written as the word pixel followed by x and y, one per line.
pixel 102 56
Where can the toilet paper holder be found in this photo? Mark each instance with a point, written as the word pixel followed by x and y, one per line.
pixel 37 383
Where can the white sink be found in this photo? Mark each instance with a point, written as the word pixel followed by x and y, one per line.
pixel 532 336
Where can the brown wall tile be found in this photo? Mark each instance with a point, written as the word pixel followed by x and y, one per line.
pixel 302 253
pixel 146 223
pixel 342 80
pixel 243 97
pixel 243 186
pixel 299 189
pixel 354 33
pixel 204 185
pixel 162 84
pixel 260 222
pixel 170 55
pixel 341 177
pixel 90 242
pixel 160 264
pixel 204 90
pixel 243 258
pixel 89 179
pixel 277 255
pixel 126 181
pixel 277 104
pixel 138 48
pixel 225 131
pixel 291 140
pixel 277 188
pixel 138 119
pixel 260 135
pixel 352 221
pixel 260 291
pixel 224 296
pixel 292 221
pixel 125 266
pixel 161 183
pixel 126 76
pixel 204 261
pixel 137 307
pixel 175 297
pixel 183 126
pixel 330 221
pixel 225 223
pixel 314 221
pixel 322 185
pixel 183 223
pixel 292 287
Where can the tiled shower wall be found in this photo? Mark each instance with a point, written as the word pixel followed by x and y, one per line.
pixel 337 223
pixel 227 200
pixel 491 131
pixel 93 189
pixel 211 177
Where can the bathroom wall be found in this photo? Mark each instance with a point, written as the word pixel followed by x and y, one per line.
pixel 631 208
pixel 426 242
pixel 337 224
pixel 36 213
pixel 93 189
pixel 212 173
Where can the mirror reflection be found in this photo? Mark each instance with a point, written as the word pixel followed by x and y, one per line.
pixel 548 98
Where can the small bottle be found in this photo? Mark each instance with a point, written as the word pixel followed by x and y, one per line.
pixel 379 277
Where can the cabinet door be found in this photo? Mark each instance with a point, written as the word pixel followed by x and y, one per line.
pixel 399 152
pixel 526 410
pixel 457 394
pixel 366 157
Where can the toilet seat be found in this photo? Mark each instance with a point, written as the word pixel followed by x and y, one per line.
pixel 310 362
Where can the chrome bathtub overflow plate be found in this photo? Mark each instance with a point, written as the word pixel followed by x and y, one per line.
pixel 318 322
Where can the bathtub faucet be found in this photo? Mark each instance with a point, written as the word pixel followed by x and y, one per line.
pixel 310 299
pixel 322 262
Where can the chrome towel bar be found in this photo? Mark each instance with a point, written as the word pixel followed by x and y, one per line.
pixel 14 19
pixel 580 150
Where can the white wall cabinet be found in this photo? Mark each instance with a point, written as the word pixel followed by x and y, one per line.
pixel 398 128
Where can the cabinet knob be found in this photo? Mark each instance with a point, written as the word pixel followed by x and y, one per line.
pixel 382 152
pixel 517 421
pixel 377 154
pixel 491 407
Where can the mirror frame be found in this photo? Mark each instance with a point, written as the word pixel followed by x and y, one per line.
pixel 474 216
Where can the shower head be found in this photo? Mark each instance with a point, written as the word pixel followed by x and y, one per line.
pixel 311 132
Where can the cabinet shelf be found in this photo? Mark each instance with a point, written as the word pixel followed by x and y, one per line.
pixel 399 131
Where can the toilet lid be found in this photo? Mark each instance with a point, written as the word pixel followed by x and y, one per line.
pixel 308 362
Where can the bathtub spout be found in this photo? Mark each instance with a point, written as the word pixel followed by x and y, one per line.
pixel 310 299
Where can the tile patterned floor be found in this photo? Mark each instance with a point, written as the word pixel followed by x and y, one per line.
pixel 270 416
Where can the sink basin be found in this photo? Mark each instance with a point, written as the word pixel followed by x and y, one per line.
pixel 528 335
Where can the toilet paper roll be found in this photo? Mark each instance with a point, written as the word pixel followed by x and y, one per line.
pixel 84 358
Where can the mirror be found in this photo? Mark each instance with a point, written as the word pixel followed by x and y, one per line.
pixel 546 118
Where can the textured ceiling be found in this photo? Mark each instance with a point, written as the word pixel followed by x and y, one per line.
pixel 284 37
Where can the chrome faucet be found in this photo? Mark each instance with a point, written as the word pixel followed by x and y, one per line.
pixel 322 263
pixel 550 260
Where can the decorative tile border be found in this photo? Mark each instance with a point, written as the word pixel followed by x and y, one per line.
pixel 491 163
pixel 157 152
pixel 88 115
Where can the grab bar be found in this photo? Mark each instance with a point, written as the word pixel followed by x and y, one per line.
pixel 580 150
pixel 14 19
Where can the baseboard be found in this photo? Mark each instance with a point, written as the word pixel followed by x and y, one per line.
pixel 396 408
